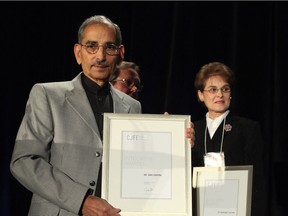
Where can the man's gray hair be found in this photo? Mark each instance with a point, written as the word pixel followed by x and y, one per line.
pixel 99 19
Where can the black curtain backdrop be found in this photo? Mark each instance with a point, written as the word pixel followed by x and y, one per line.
pixel 169 41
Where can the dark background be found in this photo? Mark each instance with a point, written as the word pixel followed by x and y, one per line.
pixel 169 41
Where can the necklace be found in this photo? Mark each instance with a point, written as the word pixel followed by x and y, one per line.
pixel 222 138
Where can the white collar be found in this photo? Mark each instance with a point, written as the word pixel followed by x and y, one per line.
pixel 213 124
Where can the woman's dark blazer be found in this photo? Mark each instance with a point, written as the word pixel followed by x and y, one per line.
pixel 242 145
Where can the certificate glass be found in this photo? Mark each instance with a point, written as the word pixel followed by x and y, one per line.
pixel 147 164
pixel 223 191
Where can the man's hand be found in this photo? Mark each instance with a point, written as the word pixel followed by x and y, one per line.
pixel 95 206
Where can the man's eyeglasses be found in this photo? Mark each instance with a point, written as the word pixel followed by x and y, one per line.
pixel 93 47
pixel 130 83
pixel 214 90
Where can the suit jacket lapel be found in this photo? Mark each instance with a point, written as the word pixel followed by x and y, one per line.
pixel 77 94
pixel 119 105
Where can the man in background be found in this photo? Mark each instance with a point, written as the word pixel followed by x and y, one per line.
pixel 126 78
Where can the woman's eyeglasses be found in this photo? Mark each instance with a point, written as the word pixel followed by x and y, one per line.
pixel 214 90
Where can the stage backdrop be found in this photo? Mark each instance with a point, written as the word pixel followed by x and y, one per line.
pixel 170 41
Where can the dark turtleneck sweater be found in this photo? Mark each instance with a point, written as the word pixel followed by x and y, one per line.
pixel 101 101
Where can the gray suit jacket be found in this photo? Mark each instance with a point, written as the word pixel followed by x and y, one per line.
pixel 58 150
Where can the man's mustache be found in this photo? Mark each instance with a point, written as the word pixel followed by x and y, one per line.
pixel 100 63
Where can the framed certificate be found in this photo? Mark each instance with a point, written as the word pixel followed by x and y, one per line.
pixel 223 191
pixel 147 164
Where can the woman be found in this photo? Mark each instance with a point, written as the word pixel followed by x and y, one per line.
pixel 223 139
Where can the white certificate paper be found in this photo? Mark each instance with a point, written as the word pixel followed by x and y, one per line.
pixel 218 200
pixel 146 165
